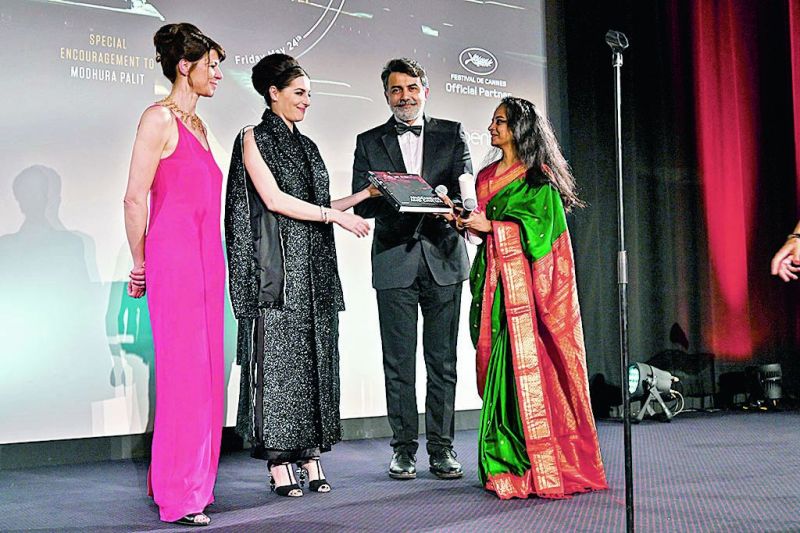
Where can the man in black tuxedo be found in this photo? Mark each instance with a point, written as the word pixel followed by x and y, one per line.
pixel 418 261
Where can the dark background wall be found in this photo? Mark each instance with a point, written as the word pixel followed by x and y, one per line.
pixel 666 227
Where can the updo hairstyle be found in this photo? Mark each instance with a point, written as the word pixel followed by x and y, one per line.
pixel 182 41
pixel 275 70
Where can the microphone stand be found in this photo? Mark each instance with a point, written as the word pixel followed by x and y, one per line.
pixel 618 42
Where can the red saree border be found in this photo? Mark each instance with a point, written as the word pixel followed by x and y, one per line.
pixel 483 349
pixel 545 473
pixel 556 297
pixel 488 185
pixel 543 316
pixel 507 486
pixel 491 184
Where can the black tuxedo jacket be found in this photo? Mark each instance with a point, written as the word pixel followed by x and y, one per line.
pixel 395 250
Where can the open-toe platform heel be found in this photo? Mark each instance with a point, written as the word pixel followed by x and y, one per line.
pixel 315 485
pixel 293 490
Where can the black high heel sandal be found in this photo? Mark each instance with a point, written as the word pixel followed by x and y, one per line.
pixel 194 519
pixel 293 490
pixel 315 485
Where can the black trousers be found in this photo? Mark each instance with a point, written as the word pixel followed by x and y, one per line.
pixel 274 457
pixel 398 311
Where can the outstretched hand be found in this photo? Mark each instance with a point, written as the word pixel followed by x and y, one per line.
pixel 786 262
pixel 352 223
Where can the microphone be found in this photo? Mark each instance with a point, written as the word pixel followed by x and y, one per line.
pixel 468 206
pixel 616 40
pixel 441 190
pixel 469 203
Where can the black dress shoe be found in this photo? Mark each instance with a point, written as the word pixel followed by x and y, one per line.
pixel 403 466
pixel 444 464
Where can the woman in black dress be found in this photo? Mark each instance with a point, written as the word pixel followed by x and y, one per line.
pixel 284 282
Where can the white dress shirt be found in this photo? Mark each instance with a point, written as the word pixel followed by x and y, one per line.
pixel 411 147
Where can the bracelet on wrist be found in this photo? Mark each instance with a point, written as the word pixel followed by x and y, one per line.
pixel 324 215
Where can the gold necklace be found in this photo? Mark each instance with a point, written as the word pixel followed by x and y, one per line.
pixel 190 119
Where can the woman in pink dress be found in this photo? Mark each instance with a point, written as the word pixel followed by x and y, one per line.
pixel 184 276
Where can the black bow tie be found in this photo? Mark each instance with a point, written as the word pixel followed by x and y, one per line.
pixel 402 128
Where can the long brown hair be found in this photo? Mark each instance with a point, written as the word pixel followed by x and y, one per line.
pixel 538 149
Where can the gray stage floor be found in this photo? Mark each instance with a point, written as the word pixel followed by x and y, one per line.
pixel 702 472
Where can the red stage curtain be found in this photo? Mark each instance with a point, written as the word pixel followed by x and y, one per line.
pixel 794 41
pixel 727 129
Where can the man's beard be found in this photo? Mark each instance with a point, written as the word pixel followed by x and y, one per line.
pixel 408 113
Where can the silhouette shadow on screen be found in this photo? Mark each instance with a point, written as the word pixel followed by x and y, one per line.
pixel 54 350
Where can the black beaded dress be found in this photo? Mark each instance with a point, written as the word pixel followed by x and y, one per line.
pixel 287 313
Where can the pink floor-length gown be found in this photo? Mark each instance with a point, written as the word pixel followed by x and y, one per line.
pixel 185 275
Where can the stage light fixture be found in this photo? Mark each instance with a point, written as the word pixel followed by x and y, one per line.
pixel 771 379
pixel 648 383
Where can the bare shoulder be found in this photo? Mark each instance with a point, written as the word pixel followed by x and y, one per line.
pixel 156 118
pixel 249 138
pixel 254 160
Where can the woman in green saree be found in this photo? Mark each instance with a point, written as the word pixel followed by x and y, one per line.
pixel 537 433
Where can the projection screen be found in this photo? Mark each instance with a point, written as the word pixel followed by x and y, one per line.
pixel 76 352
